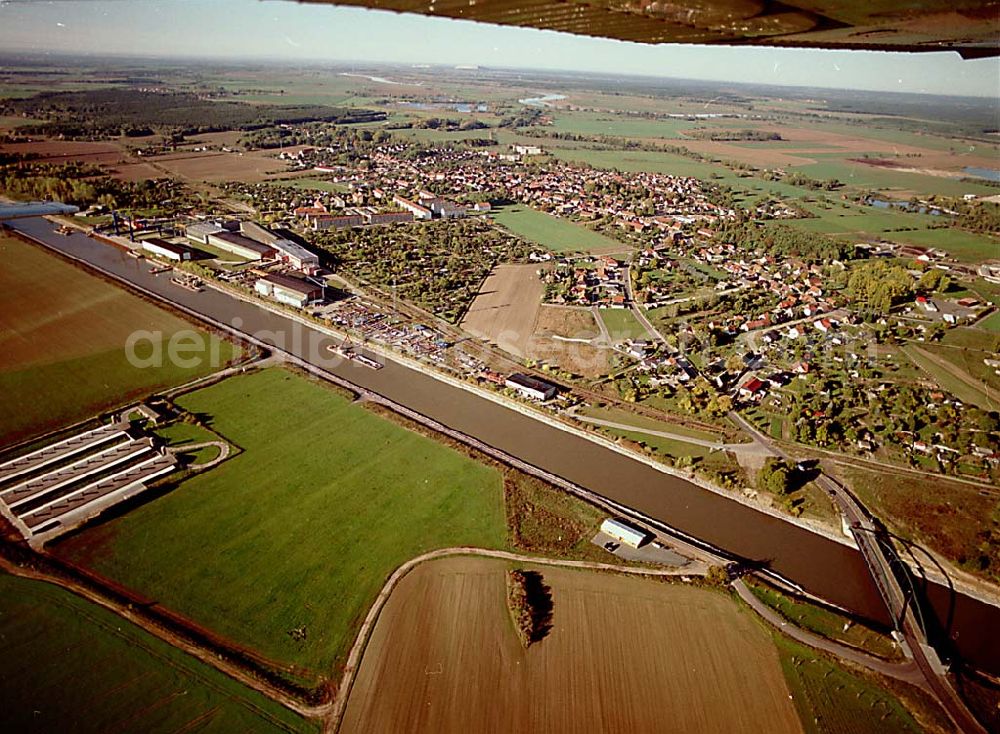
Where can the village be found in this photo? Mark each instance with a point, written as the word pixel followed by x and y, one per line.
pixel 728 325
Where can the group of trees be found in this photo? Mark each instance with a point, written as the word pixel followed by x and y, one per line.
pixel 83 185
pixel 876 286
pixel 775 476
pixel 529 599
pixel 114 111
pixel 748 135
pixel 781 240
pixel 437 265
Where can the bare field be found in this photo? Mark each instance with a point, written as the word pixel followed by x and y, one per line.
pixel 577 357
pixel 506 308
pixel 745 153
pixel 214 166
pixel 624 654
pixel 63 151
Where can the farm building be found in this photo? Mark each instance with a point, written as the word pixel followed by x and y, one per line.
pixel 624 532
pixel 291 291
pixel 531 387
pixel 168 250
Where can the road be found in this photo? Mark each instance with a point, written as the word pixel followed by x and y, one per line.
pixel 879 555
pixel 907 672
pixel 753 447
pixel 629 297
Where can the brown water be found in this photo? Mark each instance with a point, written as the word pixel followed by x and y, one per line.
pixel 828 569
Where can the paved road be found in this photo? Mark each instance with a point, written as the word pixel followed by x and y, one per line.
pixel 907 672
pixel 646 324
pixel 753 447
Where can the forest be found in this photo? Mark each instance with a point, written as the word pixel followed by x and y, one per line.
pixel 110 112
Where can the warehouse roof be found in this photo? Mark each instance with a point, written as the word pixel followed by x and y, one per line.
pixel 244 242
pixel 287 282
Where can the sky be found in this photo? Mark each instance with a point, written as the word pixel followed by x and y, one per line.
pixel 278 29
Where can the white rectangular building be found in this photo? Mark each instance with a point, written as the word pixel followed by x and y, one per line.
pixel 624 532
pixel 290 291
pixel 165 249
pixel 297 256
pixel 531 387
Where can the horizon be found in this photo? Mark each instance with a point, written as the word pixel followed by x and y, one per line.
pixel 293 33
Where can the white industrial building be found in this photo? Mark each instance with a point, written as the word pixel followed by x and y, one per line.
pixel 624 532
pixel 165 249
pixel 531 387
pixel 297 256
pixel 290 291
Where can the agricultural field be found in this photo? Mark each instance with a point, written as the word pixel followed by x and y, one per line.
pixel 623 654
pixel 587 123
pixel 216 167
pixel 73 666
pixel 314 184
pixel 506 308
pixel 553 233
pixel 62 343
pixel 283 547
pixel 64 151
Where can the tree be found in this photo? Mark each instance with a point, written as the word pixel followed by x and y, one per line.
pixel 775 477
pixel 933 280
pixel 717 576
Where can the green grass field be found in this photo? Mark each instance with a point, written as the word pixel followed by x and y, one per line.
pixel 587 123
pixel 313 184
pixel 640 421
pixel 837 166
pixel 831 699
pixel 283 548
pixel 62 344
pixel 622 324
pixel 959 388
pixel 825 622
pixel 991 323
pixel 554 233
pixel 69 665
